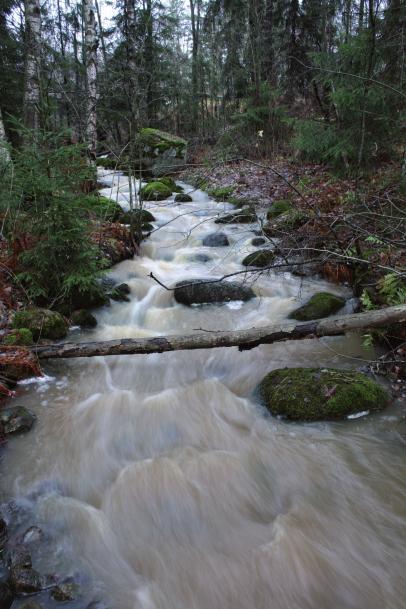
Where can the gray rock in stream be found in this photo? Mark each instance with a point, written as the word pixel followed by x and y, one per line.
pixel 202 291
pixel 216 240
pixel 6 596
pixel 16 419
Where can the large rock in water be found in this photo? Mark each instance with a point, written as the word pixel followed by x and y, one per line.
pixel 313 394
pixel 202 291
pixel 42 323
pixel 320 305
pixel 216 240
pixel 16 419
pixel 163 152
pixel 259 259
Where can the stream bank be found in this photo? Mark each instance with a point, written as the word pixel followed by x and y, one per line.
pixel 145 468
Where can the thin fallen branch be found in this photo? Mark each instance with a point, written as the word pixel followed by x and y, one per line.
pixel 243 339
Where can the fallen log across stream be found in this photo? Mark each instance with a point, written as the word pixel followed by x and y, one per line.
pixel 243 339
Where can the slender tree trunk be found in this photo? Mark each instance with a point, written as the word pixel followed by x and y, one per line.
pixel 91 44
pixel 268 63
pixel 130 36
pixel 149 62
pixel 32 64
pixel 194 15
pixel 4 153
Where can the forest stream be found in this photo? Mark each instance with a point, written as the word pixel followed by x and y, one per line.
pixel 160 482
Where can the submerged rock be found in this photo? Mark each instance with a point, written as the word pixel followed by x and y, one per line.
pixel 320 305
pixel 90 298
pixel 261 258
pixel 31 605
pixel 313 394
pixel 120 293
pixel 83 318
pixel 66 591
pixel 245 216
pixel 42 323
pixel 258 241
pixel 32 535
pixel 183 198
pixel 16 419
pixel 3 535
pixel 201 291
pixel 216 240
pixel 199 258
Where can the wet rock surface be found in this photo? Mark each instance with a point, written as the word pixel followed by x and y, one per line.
pixel 259 259
pixel 202 291
pixel 83 318
pixel 16 419
pixel 320 305
pixel 216 240
pixel 313 394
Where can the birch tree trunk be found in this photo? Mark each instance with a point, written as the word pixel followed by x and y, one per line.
pixel 4 153
pixel 32 64
pixel 91 44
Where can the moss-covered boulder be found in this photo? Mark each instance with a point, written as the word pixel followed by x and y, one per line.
pixel 221 193
pixel 121 292
pixel 202 291
pixel 261 258
pixel 313 394
pixel 136 216
pixel 285 223
pixel 278 207
pixel 147 227
pixel 98 207
pixel 163 151
pixel 183 198
pixel 22 336
pixel 156 191
pixel 245 216
pixel 83 318
pixel 170 183
pixel 91 296
pixel 320 305
pixel 42 323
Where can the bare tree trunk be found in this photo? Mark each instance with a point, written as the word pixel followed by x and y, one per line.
pixel 244 339
pixel 268 42
pixel 195 21
pixel 4 153
pixel 32 64
pixel 91 44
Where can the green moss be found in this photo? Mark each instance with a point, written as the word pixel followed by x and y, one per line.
pixel 137 216
pixel 261 258
pixel 170 183
pixel 22 336
pixel 156 191
pixel 245 216
pixel 320 305
pixel 83 318
pixel 183 198
pixel 147 228
pixel 161 141
pixel 221 193
pixel 42 323
pixel 312 394
pixel 100 207
pixel 241 202
pixel 278 207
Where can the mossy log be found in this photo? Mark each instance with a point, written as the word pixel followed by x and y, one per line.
pixel 244 339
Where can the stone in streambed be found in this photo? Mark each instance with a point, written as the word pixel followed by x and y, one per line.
pixel 3 535
pixel 313 394
pixel 83 318
pixel 203 258
pixel 245 216
pixel 25 580
pixel 66 591
pixel 156 191
pixel 202 291
pixel 216 240
pixel 42 323
pixel 320 305
pixel 258 241
pixel 16 419
pixel 136 216
pixel 183 198
pixel 31 605
pixel 259 259
pixel 120 293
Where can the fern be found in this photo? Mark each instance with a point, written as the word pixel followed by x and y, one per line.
pixel 393 289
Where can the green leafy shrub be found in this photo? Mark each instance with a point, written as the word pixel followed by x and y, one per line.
pixel 22 336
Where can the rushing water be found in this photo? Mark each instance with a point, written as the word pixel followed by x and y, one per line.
pixel 165 479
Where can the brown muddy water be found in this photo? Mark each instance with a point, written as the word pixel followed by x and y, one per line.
pixel 162 478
